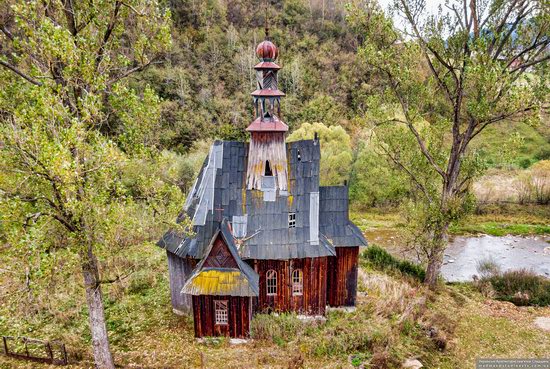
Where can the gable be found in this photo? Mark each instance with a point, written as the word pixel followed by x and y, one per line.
pixel 220 256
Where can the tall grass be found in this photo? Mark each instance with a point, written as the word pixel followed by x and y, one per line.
pixel 279 329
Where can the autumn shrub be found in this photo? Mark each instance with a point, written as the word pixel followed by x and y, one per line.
pixel 488 267
pixel 380 259
pixel 521 287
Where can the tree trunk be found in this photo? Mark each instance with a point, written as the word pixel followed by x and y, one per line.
pixel 435 258
pixel 100 341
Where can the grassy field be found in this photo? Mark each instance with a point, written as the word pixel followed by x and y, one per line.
pixel 396 319
pixel 495 220
pixel 499 147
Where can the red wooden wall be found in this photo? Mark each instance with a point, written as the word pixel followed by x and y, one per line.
pixel 342 277
pixel 313 299
pixel 239 315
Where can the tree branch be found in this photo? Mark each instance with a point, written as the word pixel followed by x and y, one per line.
pixel 19 73
pixel 530 64
pixel 139 68
pixel 483 124
pixel 411 127
pixel 107 34
pixel 409 173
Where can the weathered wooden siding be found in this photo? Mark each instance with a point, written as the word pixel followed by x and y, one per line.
pixel 342 277
pixel 313 299
pixel 239 316
pixel 266 146
pixel 178 270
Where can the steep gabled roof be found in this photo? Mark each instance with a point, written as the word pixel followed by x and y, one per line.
pixel 334 218
pixel 229 276
pixel 262 215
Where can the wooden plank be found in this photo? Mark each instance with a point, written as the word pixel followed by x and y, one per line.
pixel 313 299
pixel 30 356
pixel 178 270
pixel 342 279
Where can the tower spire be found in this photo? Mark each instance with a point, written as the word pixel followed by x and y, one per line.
pixel 267 150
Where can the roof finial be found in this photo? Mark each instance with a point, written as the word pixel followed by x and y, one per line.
pixel 266 22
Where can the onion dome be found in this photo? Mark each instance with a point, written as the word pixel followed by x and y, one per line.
pixel 267 51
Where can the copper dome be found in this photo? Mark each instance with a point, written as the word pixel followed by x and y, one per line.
pixel 267 51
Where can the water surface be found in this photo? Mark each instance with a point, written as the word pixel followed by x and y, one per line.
pixel 508 252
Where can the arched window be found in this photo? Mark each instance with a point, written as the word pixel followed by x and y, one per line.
pixel 268 171
pixel 271 282
pixel 297 282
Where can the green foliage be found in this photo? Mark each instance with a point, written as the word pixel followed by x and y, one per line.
pixel 81 176
pixel 205 87
pixel 323 108
pixel 280 329
pixel 499 229
pixel 379 258
pixel 443 85
pixel 336 155
pixel 375 182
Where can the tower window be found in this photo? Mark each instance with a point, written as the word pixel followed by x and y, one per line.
pixel 220 311
pixel 291 220
pixel 268 171
pixel 299 156
pixel 297 282
pixel 271 282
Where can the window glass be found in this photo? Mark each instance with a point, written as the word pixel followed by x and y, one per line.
pixel 291 220
pixel 220 311
pixel 297 282
pixel 271 282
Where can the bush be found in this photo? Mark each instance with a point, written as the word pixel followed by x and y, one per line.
pixel 521 287
pixel 488 267
pixel 379 258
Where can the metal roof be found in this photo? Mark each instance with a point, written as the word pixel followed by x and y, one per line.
pixel 334 220
pixel 220 192
pixel 275 124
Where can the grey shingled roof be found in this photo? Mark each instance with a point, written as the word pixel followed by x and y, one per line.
pixel 220 192
pixel 243 281
pixel 334 218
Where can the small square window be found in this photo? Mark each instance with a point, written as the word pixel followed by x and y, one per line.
pixel 291 220
pixel 220 311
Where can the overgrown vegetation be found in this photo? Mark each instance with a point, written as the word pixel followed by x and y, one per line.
pixel 521 287
pixel 380 259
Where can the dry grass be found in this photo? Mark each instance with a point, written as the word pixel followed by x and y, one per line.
pixel 499 329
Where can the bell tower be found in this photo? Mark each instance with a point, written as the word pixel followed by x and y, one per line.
pixel 267 162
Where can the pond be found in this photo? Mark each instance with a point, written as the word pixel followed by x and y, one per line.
pixel 465 252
